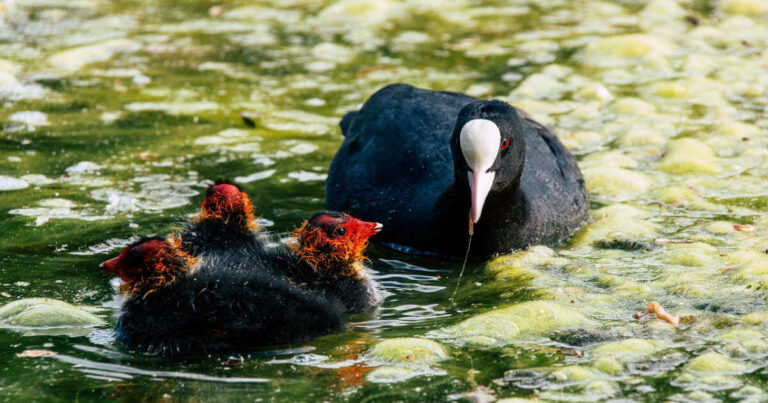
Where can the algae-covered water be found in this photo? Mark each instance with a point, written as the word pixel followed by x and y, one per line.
pixel 117 113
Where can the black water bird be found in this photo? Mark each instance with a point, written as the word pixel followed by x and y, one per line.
pixel 431 165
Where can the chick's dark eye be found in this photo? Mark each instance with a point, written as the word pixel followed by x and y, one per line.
pixel 340 232
pixel 504 144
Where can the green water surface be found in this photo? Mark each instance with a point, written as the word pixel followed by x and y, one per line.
pixel 116 114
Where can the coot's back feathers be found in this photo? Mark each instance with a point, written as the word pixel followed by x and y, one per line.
pixel 346 121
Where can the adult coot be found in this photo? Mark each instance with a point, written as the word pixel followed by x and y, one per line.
pixel 420 162
pixel 219 303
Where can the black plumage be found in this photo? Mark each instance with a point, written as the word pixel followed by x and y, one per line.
pixel 234 300
pixel 401 164
pixel 223 307
pixel 356 293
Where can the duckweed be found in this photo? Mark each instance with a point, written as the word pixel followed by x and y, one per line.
pixel 505 325
pixel 118 114
pixel 408 350
pixel 46 313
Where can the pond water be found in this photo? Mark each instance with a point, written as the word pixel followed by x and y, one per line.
pixel 118 113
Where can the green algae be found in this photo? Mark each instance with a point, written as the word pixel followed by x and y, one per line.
pixel 720 227
pixel 756 318
pixel 523 265
pixel 408 350
pixel 16 307
pixel 391 374
pixel 573 374
pixel 608 365
pixel 51 316
pixel 695 254
pixel 616 222
pixel 404 358
pixel 45 312
pixel 714 362
pixel 629 46
pixel 581 382
pixel 711 371
pixel 616 182
pixel 628 350
pixel 743 7
pixel 505 325
pixel 689 156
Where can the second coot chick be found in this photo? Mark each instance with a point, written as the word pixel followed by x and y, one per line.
pixel 329 258
pixel 225 223
pixel 219 303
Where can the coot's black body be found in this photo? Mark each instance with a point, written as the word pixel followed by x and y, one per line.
pixel 211 237
pixel 400 164
pixel 227 306
pixel 356 293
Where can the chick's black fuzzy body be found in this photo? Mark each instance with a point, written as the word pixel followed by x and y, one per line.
pixel 225 306
pixel 356 293
pixel 212 237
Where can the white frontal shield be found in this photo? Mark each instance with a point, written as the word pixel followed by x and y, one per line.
pixel 479 140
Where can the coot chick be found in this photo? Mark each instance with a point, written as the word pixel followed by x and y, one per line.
pixel 225 222
pixel 328 258
pixel 149 264
pixel 219 303
pixel 421 162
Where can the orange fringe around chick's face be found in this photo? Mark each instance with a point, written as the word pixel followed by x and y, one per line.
pixel 149 264
pixel 334 242
pixel 225 202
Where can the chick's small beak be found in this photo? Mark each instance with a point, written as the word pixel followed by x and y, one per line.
pixel 372 228
pixel 109 265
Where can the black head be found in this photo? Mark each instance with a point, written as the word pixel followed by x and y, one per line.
pixel 488 147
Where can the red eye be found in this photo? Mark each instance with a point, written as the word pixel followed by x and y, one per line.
pixel 504 144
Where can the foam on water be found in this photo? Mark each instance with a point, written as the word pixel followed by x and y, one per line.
pixel 9 183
